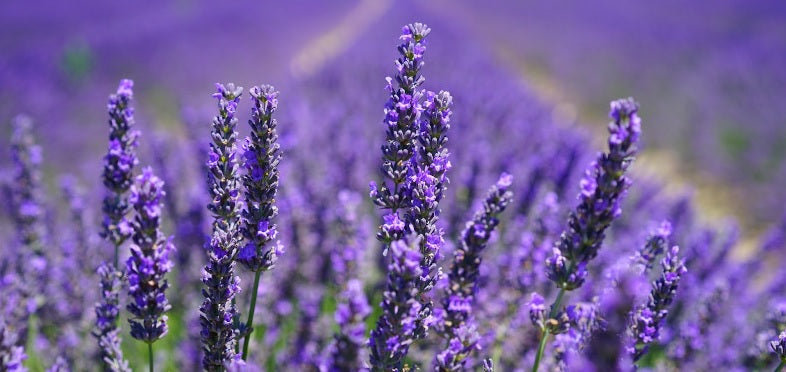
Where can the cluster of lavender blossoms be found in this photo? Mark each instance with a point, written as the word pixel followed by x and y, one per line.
pixel 221 285
pixel 149 261
pixel 117 177
pixel 646 321
pixel 602 190
pixel 454 320
pixel 332 303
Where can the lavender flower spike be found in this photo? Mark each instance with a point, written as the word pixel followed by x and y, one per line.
pixel 149 261
pixel 107 311
pixel 402 112
pixel 261 156
pixel 646 320
pixel 455 320
pixel 429 184
pixel 218 276
pixel 397 327
pixel 119 165
pixel 602 190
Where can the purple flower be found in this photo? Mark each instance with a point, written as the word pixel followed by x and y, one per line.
pixel 149 261
pixel 463 279
pixel 402 113
pixel 220 283
pixel 119 164
pixel 602 188
pixel 645 322
pixel 107 311
pixel 396 328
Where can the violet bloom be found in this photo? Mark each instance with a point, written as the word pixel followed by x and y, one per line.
pixel 428 186
pixel 778 347
pixel 119 165
pixel 402 112
pixel 455 320
pixel 656 244
pixel 107 311
pixel 261 156
pixel 149 261
pixel 397 327
pixel 221 285
pixel 602 190
pixel 645 322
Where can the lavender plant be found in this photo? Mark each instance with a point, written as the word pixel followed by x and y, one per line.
pixel 454 322
pixel 218 309
pixel 261 157
pixel 646 320
pixel 149 262
pixel 602 189
pixel 117 177
pixel 402 113
pixel 397 327
pixel 107 312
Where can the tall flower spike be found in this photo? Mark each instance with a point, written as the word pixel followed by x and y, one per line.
pixel 645 322
pixel 107 311
pixel 402 112
pixel 261 156
pixel 602 190
pixel 353 307
pixel 455 320
pixel 218 276
pixel 149 261
pixel 119 165
pixel 429 184
pixel 397 327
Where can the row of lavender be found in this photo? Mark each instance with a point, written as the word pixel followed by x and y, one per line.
pixel 489 309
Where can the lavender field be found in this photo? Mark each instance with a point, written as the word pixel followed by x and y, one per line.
pixel 378 185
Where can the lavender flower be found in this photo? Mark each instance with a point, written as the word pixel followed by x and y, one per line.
pixel 397 327
pixel 107 311
pixel 402 112
pixel 429 185
pixel 455 320
pixel 261 157
pixel 149 261
pixel 602 190
pixel 646 320
pixel 221 285
pixel 119 165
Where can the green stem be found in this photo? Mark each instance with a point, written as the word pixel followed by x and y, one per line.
pixel 545 335
pixel 780 365
pixel 251 313
pixel 150 351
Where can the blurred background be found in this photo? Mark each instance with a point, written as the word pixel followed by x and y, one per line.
pixel 709 74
